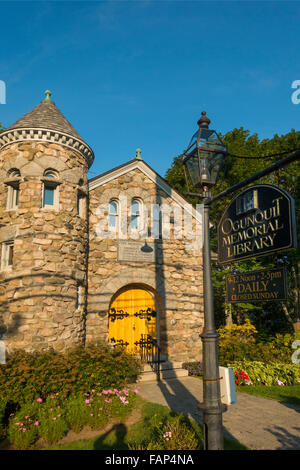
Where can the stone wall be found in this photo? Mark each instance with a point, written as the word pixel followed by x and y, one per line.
pixel 37 295
pixel 175 277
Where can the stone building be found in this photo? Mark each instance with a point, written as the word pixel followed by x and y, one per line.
pixel 114 259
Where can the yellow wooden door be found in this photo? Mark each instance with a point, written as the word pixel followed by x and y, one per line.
pixel 131 315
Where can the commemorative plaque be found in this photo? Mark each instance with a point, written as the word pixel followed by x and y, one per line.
pixel 259 221
pixel 257 286
pixel 141 252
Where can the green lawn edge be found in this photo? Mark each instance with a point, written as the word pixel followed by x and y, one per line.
pixel 289 394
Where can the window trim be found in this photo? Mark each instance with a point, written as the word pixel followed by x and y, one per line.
pixel 13 183
pixel 7 252
pixel 79 299
pixel 116 215
pixel 137 215
pixel 50 182
pixel 13 194
pixel 81 204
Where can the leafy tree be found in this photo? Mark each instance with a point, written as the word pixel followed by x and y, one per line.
pixel 273 316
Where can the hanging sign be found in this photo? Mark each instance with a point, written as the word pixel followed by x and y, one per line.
pixel 259 221
pixel 256 286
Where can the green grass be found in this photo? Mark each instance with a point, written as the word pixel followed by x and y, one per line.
pixel 284 394
pixel 136 436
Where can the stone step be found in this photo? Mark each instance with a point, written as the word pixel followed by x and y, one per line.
pixel 164 366
pixel 167 371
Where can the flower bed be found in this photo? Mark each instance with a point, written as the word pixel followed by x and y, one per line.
pixel 260 373
pixel 194 368
pixel 52 418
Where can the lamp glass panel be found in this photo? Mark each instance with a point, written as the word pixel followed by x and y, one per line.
pixel 192 165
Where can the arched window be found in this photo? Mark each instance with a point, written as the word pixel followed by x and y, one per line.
pixel 135 214
pixel 113 215
pixel 50 193
pixel 13 188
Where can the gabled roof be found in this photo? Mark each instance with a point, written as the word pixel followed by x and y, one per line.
pixel 141 165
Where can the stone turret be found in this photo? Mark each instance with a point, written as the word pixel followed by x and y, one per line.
pixel 43 231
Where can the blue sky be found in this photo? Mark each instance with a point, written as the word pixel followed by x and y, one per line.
pixel 130 74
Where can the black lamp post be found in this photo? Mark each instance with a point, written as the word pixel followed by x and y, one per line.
pixel 203 161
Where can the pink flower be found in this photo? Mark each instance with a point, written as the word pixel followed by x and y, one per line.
pixel 24 429
pixel 11 414
pixel 36 423
pixel 92 414
pixel 135 391
pixel 93 391
pixel 59 415
pixel 108 401
pixel 39 400
pixel 87 401
pixel 54 419
pixel 51 397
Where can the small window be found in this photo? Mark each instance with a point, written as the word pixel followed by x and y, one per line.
pixel 48 196
pixel 50 192
pixel 156 231
pixel 79 296
pixel 7 255
pixel 135 214
pixel 113 215
pixel 13 189
pixel 81 204
pixel 13 196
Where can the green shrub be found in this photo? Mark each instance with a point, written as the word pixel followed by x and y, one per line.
pixel 2 418
pixel 243 342
pixel 27 376
pixel 174 433
pixel 51 418
pixel 98 409
pixel 268 373
pixel 122 403
pixel 76 412
pixel 23 427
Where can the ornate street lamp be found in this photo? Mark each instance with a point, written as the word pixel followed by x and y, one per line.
pixel 204 160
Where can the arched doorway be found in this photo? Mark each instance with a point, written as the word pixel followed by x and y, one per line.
pixel 132 317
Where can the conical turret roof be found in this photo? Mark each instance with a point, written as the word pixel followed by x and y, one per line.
pixel 46 115
pixel 42 123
